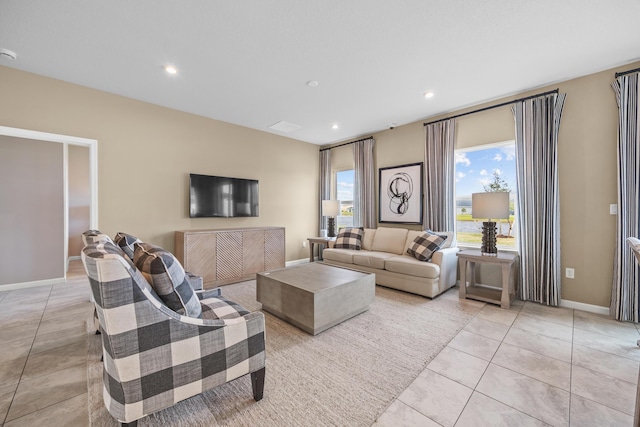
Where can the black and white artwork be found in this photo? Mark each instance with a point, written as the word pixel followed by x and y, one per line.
pixel 401 194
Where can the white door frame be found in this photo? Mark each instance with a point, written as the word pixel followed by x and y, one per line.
pixel 92 144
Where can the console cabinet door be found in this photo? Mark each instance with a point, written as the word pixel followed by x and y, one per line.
pixel 274 250
pixel 252 252
pixel 200 255
pixel 229 255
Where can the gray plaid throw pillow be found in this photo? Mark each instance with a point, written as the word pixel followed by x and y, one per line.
pixel 425 245
pixel 167 277
pixel 350 238
pixel 126 243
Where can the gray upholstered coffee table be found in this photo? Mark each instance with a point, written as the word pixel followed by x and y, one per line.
pixel 315 296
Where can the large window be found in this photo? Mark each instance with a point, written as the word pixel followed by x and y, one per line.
pixel 489 167
pixel 344 193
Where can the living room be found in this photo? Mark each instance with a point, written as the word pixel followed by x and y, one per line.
pixel 146 152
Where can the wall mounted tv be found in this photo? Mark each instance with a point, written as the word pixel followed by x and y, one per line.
pixel 219 196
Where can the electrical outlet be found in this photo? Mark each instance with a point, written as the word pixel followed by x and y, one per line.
pixel 613 209
pixel 304 243
pixel 569 273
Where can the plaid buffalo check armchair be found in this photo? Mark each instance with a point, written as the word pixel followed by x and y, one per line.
pixel 155 357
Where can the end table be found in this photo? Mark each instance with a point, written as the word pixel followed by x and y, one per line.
pixel 324 241
pixel 491 294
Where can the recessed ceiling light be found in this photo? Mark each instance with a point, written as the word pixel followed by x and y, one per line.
pixel 171 69
pixel 429 94
pixel 335 126
pixel 312 83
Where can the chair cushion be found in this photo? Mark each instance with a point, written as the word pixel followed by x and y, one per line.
pixel 425 245
pixel 126 243
pixel 349 238
pixel 390 240
pixel 167 278
pixel 221 308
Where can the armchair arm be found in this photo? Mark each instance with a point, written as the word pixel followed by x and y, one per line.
pixel 448 262
pixel 208 293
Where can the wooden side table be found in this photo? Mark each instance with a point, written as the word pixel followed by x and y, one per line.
pixel 324 241
pixel 502 296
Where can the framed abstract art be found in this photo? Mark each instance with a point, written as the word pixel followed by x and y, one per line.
pixel 400 194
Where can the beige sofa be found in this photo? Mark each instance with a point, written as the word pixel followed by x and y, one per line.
pixel 384 252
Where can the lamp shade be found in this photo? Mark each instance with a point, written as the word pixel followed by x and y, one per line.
pixel 330 207
pixel 490 205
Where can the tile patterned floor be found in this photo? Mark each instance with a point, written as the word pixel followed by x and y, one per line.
pixel 529 366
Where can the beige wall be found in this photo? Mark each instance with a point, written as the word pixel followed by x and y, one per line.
pixel 146 152
pixel 587 172
pixel 31 210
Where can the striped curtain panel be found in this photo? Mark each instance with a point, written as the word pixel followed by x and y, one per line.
pixel 537 123
pixel 325 185
pixel 439 177
pixel 364 202
pixel 625 294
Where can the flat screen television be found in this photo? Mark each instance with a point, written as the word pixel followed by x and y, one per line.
pixel 219 196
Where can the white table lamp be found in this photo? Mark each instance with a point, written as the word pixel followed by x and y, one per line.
pixel 331 209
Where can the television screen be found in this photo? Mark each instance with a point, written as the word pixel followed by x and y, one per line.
pixel 218 196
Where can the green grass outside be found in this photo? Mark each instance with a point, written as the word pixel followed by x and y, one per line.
pixel 477 238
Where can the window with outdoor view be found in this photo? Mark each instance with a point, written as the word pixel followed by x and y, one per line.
pixel 344 193
pixel 490 168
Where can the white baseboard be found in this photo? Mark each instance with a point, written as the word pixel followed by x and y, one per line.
pixel 25 285
pixel 296 262
pixel 584 307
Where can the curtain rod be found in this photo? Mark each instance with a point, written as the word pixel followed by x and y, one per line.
pixel 622 73
pixel 494 106
pixel 346 143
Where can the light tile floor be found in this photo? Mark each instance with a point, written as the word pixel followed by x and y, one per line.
pixel 532 365
pixel 529 366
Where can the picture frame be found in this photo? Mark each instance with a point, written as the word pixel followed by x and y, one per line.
pixel 400 194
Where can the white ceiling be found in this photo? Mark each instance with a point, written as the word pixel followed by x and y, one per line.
pixel 247 61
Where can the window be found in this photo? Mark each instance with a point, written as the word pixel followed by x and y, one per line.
pixel 489 167
pixel 344 193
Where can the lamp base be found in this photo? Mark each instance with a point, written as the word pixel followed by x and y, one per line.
pixel 331 227
pixel 489 239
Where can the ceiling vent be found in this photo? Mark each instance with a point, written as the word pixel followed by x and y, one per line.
pixel 285 127
pixel 7 54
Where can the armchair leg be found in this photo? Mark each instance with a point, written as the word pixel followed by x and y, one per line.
pixel 257 383
pixel 131 424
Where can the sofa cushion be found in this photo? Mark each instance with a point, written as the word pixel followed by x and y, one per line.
pixel 367 240
pixel 339 255
pixel 411 236
pixel 349 238
pixel 406 264
pixel 371 259
pixel 425 245
pixel 451 239
pixel 126 243
pixel 390 240
pixel 167 278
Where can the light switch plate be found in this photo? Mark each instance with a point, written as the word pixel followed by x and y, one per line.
pixel 570 273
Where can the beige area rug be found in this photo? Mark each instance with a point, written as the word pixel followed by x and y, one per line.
pixel 345 376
